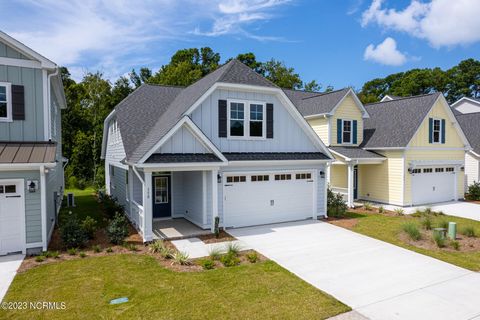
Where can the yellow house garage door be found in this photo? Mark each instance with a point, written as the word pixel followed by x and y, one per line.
pixel 433 185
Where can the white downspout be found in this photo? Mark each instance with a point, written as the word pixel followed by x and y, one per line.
pixel 43 206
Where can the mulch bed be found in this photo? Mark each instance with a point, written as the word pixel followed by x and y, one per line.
pixel 348 223
pixel 210 238
pixel 466 244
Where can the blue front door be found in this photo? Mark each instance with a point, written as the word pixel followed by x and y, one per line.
pixel 162 196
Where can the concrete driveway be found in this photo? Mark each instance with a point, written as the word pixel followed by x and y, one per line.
pixel 377 279
pixel 461 209
pixel 8 269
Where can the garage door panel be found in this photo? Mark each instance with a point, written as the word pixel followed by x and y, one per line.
pixel 429 186
pixel 12 218
pixel 253 203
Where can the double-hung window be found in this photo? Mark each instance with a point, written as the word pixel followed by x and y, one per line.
pixel 246 119
pixel 5 102
pixel 437 130
pixel 347 131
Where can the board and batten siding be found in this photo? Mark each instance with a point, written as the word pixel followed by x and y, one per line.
pixel 472 170
pixel 383 182
pixel 347 110
pixel 288 136
pixel 119 187
pixel 321 128
pixel 33 214
pixel 9 52
pixel 182 141
pixel 30 129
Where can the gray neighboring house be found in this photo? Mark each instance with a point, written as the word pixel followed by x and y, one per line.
pixel 470 123
pixel 231 145
pixel 31 166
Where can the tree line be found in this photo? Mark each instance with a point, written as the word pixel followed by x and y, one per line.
pixel 90 100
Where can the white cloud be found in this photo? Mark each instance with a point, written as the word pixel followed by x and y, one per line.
pixel 385 53
pixel 113 36
pixel 440 22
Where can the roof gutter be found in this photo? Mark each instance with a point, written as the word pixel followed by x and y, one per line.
pixel 105 130
pixel 25 166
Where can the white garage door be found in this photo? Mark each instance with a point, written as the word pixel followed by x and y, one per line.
pixel 262 198
pixel 12 217
pixel 433 184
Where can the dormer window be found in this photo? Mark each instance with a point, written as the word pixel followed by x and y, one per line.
pixel 5 102
pixel 437 125
pixel 246 120
pixel 347 131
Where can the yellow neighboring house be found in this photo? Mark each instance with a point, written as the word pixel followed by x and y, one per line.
pixel 401 151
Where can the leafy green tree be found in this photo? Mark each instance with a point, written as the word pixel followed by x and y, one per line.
pixel 312 86
pixel 143 77
pixel 283 76
pixel 250 60
pixel 464 80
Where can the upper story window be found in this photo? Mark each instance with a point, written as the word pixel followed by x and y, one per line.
pixel 246 119
pixel 437 130
pixel 347 131
pixel 5 102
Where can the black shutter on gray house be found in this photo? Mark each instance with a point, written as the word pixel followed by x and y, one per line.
pixel 222 118
pixel 18 102
pixel 269 120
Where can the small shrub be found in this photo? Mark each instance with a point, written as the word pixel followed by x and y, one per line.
pixel 412 230
pixel 252 257
pixel 428 211
pixel 131 247
pixel 166 253
pixel 216 228
pixel 418 213
pixel 117 229
pixel 439 213
pixel 72 251
pixel 399 212
pixel 215 253
pixel 336 206
pixel 47 254
pixel 474 191
pixel 455 244
pixel 96 248
pixel 109 250
pixel 207 264
pixel 82 254
pixel 90 226
pixel 233 248
pixel 40 258
pixel 181 258
pixel 230 260
pixel 381 209
pixel 468 231
pixel 72 233
pixel 426 223
pixel 439 240
pixel 111 207
pixel 55 255
pixel 443 224
pixel 156 246
pixel 367 206
pixel 72 182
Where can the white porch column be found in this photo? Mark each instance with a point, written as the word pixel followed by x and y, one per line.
pixel 214 198
pixel 328 170
pixel 147 207
pixel 350 169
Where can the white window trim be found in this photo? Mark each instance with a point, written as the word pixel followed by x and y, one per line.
pixel 351 131
pixel 8 90
pixel 246 120
pixel 439 132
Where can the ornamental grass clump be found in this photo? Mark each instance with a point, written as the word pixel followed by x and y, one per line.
pixel 427 223
pixel 412 231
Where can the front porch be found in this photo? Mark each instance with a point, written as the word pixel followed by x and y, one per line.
pixel 176 228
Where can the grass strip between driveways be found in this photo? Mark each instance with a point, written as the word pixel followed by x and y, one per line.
pixel 257 291
pixel 388 228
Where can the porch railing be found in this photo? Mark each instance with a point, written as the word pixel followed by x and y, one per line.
pixel 342 191
pixel 136 215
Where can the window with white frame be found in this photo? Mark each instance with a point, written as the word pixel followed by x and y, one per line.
pixel 246 119
pixel 347 131
pixel 5 101
pixel 437 130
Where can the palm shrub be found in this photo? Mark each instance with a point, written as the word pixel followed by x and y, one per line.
pixel 336 206
pixel 117 229
pixel 72 233
pixel 474 191
pixel 411 229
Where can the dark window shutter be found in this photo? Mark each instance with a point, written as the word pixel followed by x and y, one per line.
pixel 222 118
pixel 18 102
pixel 339 131
pixel 354 132
pixel 269 120
pixel 443 130
pixel 430 130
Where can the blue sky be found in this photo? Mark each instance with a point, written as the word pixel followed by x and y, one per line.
pixel 338 43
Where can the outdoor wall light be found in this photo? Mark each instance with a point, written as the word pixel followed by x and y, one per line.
pixel 219 178
pixel 32 186
pixel 410 170
pixel 322 174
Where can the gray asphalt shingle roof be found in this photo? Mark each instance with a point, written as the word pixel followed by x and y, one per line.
pixel 151 111
pixel 270 156
pixel 182 157
pixel 312 103
pixel 393 123
pixel 356 153
pixel 470 124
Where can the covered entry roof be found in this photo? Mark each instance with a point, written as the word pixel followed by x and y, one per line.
pixel 355 153
pixel 27 152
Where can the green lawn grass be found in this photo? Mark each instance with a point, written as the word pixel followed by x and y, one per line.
pixel 85 205
pixel 257 291
pixel 387 228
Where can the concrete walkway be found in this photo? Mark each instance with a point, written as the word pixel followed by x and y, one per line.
pixel 461 209
pixel 196 248
pixel 378 280
pixel 8 269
